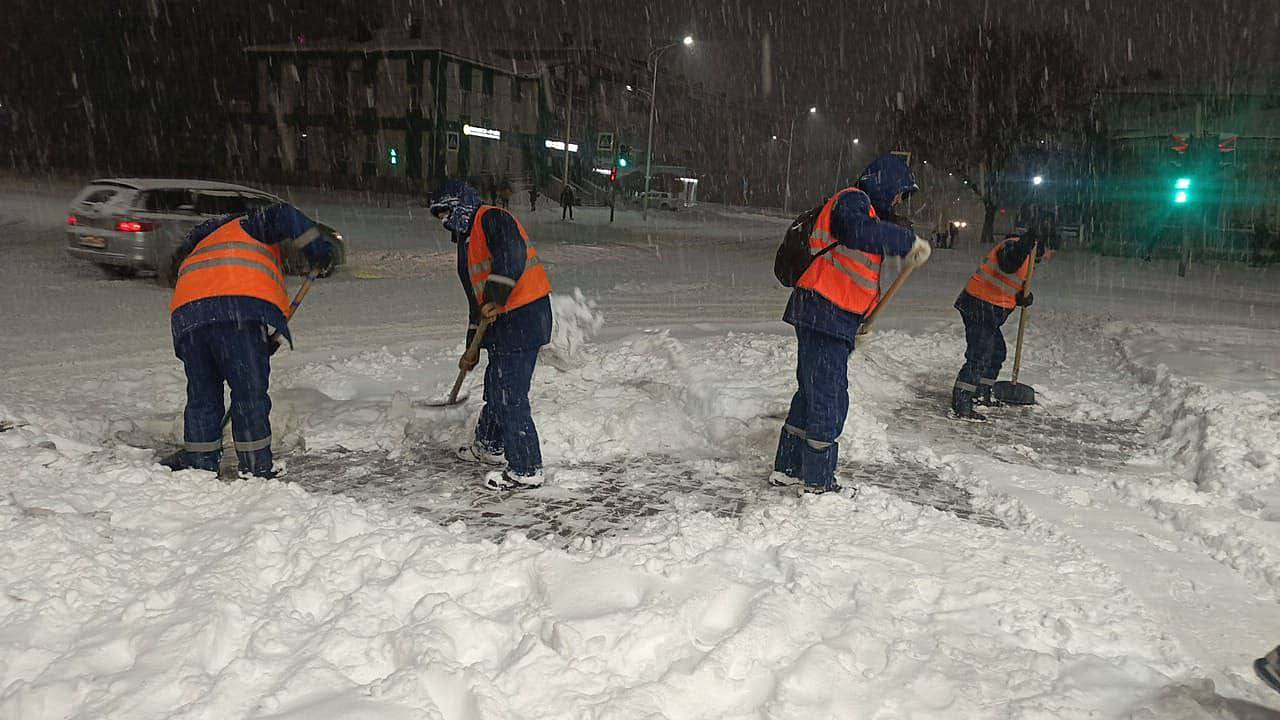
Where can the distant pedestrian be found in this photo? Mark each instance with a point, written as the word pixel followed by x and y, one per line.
pixel 1262 243
pixel 533 199
pixel 952 233
pixel 504 194
pixel 566 202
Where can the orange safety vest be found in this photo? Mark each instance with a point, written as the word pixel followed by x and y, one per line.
pixel 231 262
pixel 533 283
pixel 994 286
pixel 848 278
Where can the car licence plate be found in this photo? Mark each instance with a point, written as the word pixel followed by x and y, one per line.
pixel 93 242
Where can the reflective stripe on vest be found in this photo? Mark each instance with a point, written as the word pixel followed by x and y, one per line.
pixel 532 285
pixel 850 279
pixel 990 284
pixel 231 262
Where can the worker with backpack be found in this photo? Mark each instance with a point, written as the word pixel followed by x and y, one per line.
pixel 831 258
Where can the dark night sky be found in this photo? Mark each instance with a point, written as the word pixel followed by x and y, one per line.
pixel 859 52
pixel 155 63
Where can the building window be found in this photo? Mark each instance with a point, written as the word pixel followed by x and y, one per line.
pixel 464 77
pixel 487 82
pixel 515 89
pixel 451 141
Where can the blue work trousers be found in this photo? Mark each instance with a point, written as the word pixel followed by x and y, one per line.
pixel 506 421
pixel 238 355
pixel 807 447
pixel 985 350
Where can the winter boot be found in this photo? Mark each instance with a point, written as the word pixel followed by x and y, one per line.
pixel 833 487
pixel 473 453
pixel 962 406
pixel 779 479
pixel 1268 669
pixel 277 472
pixel 174 461
pixel 508 479
pixel 984 399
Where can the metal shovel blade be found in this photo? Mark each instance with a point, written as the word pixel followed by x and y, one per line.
pixel 1014 393
pixel 443 402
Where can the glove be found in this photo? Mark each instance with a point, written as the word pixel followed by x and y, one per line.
pixel 901 220
pixel 1023 299
pixel 274 340
pixel 319 255
pixel 920 252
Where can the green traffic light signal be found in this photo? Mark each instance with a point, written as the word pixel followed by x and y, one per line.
pixel 622 162
pixel 1182 191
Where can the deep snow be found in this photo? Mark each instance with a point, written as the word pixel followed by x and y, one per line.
pixel 1113 552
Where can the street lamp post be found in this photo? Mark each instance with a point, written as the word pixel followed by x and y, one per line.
pixel 786 202
pixel 656 55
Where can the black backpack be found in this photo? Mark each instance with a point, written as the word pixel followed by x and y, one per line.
pixel 793 257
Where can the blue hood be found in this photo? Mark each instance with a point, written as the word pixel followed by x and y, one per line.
pixel 461 200
pixel 883 179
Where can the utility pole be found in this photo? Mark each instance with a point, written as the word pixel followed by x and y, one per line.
pixel 648 148
pixel 656 55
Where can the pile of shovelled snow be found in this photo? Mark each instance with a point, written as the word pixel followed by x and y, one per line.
pixel 131 592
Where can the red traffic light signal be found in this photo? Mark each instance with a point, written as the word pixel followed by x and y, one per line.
pixel 613 175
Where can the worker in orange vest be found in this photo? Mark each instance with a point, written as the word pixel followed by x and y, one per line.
pixel 507 284
pixel 850 238
pixel 993 291
pixel 228 316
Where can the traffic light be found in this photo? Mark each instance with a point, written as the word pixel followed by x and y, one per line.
pixel 624 156
pixel 1181 191
pixel 613 175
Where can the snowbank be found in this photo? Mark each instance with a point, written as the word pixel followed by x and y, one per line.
pixel 1215 399
pixel 142 594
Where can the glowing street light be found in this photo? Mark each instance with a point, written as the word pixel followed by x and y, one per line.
pixel 786 201
pixel 1037 180
pixel 655 55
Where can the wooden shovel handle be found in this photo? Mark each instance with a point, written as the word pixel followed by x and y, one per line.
pixel 472 351
pixel 865 328
pixel 1022 316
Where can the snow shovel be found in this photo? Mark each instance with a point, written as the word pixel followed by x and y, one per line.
pixel 473 352
pixel 865 327
pixel 1015 393
pixel 175 459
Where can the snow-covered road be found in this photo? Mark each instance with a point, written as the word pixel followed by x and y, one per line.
pixel 1112 552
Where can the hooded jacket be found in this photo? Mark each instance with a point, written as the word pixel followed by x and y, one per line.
pixel 525 328
pixel 271 225
pixel 853 226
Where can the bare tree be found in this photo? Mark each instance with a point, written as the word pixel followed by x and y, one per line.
pixel 997 94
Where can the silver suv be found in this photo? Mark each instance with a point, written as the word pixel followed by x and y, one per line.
pixel 127 225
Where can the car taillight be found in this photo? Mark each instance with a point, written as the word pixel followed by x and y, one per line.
pixel 133 226
pixel 72 220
